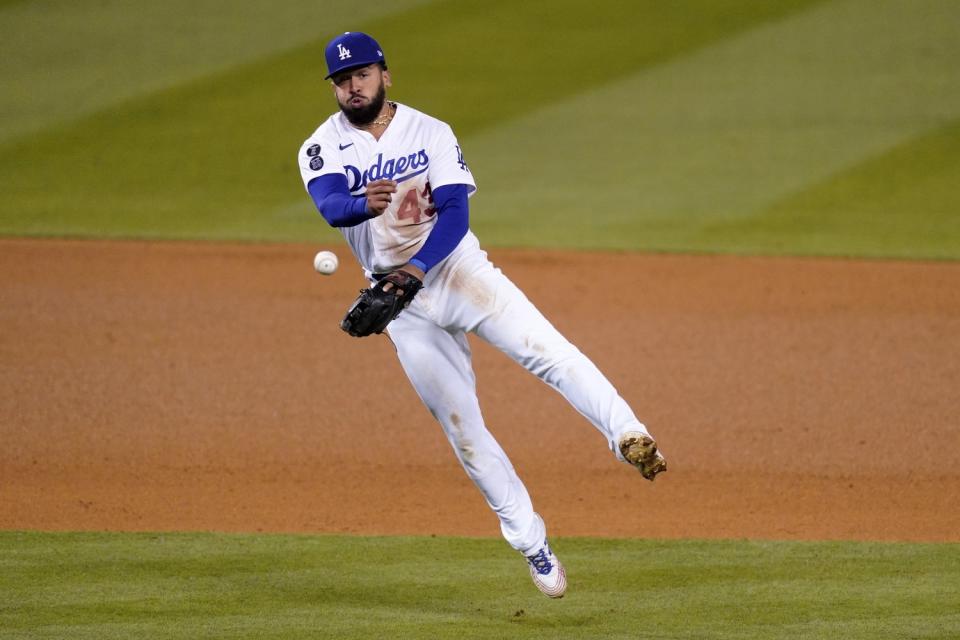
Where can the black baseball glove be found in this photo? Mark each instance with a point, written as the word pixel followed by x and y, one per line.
pixel 376 307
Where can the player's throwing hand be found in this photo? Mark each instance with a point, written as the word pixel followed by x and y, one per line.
pixel 379 195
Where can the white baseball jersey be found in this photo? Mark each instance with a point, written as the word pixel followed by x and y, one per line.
pixel 418 151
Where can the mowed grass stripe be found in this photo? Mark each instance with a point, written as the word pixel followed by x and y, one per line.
pixel 491 61
pixel 113 585
pixel 903 203
pixel 215 158
pixel 60 60
pixel 657 159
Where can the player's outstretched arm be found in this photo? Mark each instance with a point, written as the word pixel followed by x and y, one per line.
pixel 340 209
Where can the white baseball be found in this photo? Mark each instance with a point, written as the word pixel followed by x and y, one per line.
pixel 325 262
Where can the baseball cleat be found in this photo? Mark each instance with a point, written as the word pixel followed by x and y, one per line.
pixel 640 450
pixel 547 572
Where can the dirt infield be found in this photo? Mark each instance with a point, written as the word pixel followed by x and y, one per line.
pixel 168 386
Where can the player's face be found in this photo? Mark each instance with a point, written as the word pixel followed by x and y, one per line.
pixel 361 92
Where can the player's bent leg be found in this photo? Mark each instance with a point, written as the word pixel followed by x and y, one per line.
pixel 546 353
pixel 515 326
pixel 438 365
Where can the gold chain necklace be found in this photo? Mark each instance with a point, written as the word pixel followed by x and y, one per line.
pixel 383 121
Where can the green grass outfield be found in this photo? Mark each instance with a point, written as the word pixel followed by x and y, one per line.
pixel 819 127
pixel 747 126
pixel 109 585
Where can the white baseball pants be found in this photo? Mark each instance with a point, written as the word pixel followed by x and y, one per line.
pixel 466 293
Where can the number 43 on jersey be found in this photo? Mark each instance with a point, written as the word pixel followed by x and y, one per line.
pixel 417 205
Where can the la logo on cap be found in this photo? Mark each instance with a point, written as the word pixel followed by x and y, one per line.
pixel 344 52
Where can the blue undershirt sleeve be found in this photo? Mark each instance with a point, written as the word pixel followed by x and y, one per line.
pixel 334 202
pixel 453 221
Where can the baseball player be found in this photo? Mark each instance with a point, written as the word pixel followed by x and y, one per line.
pixel 394 181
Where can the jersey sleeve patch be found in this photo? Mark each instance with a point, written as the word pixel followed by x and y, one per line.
pixel 315 161
pixel 318 156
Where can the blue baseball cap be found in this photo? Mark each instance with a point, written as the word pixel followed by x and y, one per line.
pixel 350 50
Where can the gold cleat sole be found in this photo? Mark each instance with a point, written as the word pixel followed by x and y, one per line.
pixel 640 450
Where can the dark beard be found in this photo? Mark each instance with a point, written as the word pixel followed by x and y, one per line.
pixel 363 116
